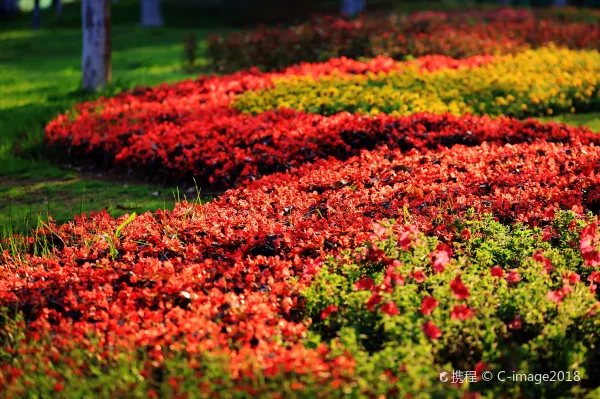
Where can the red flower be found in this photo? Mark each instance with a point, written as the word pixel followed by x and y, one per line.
pixel 592 311
pixel 479 369
pixel 174 383
pixel 572 225
pixel 418 275
pixel 555 296
pixel 428 304
pixel 439 259
pixel 390 308
pixel 380 231
pixel 558 295
pixel 594 277
pixel 328 310
pixel 461 312
pixel 589 244
pixel 497 271
pixel 573 278
pixel 459 289
pixel 313 267
pixel 365 283
pixel 513 277
pixel 431 330
pixel 391 276
pixel 548 232
pixel 548 268
pixel 374 301
pixel 516 324
pixel 465 235
pixel 407 236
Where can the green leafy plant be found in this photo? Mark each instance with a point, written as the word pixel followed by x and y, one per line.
pixel 112 244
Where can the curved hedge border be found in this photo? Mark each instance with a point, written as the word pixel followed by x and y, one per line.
pixel 192 129
pixel 358 255
pixel 218 299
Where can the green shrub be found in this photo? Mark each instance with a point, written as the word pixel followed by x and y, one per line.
pixel 534 312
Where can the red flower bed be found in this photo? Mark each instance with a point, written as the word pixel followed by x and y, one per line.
pixel 215 278
pixel 189 129
pixel 271 289
pixel 453 33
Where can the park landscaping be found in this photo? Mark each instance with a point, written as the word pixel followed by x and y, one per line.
pixel 375 222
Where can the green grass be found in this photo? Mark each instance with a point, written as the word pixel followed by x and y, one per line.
pixel 591 120
pixel 21 202
pixel 39 78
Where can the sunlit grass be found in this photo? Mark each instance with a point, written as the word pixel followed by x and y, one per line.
pixel 40 76
pixel 21 203
pixel 591 120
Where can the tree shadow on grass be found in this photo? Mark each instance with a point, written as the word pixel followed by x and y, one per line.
pixel 23 125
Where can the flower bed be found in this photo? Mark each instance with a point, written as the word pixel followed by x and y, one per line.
pixel 455 34
pixel 219 298
pixel 193 129
pixel 534 82
pixel 358 255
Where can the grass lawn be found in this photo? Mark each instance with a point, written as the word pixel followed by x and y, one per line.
pixel 40 74
pixel 39 78
pixel 591 120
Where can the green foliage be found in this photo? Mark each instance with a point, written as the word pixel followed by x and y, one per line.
pixel 514 326
pixel 114 252
pixel 129 219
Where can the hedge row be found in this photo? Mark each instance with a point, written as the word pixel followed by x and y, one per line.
pixel 298 285
pixel 192 130
pixel 535 82
pixel 454 34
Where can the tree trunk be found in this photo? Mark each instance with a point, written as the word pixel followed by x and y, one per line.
pixel 37 18
pixel 57 4
pixel 352 7
pixel 96 44
pixel 151 15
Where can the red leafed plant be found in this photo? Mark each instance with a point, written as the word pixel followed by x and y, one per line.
pixel 297 272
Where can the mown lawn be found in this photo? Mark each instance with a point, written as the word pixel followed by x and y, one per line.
pixel 591 120
pixel 39 78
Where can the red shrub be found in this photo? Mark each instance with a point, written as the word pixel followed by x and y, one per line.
pixel 189 130
pixel 225 278
pixel 456 34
